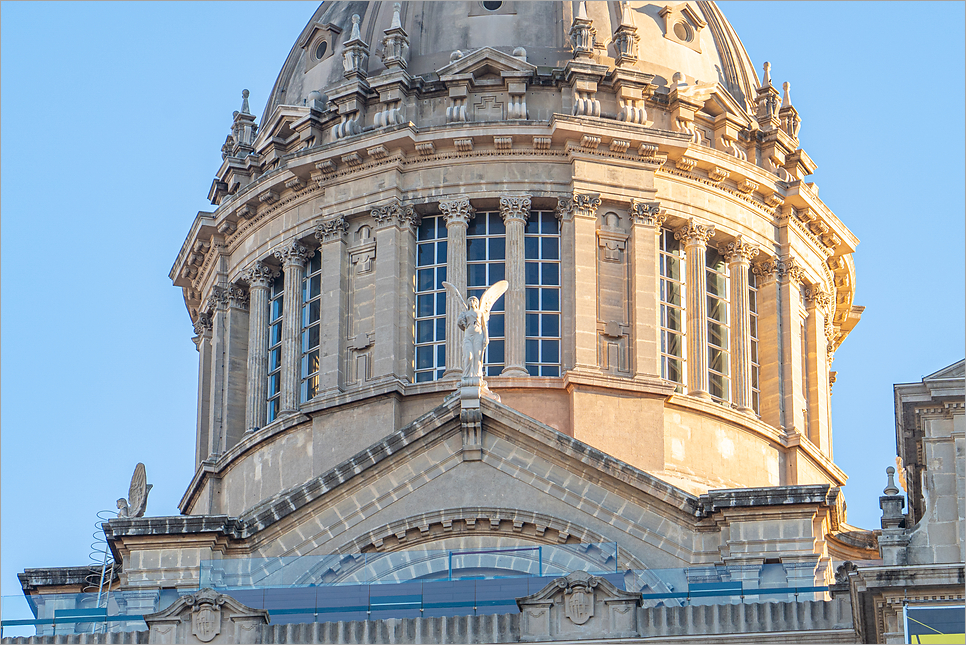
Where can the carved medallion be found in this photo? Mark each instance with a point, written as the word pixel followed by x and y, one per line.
pixel 206 622
pixel 580 604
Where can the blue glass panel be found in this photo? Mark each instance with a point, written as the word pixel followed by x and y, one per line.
pixel 551 370
pixel 424 357
pixel 424 331
pixel 315 287
pixel 313 337
pixel 441 303
pixel 551 299
pixel 531 248
pixel 476 275
pixel 315 311
pixel 550 324
pixel 441 252
pixel 441 356
pixel 440 329
pixel 476 226
pixel 424 280
pixel 497 248
pixel 275 334
pixel 532 273
pixel 497 227
pixel 424 255
pixel 533 351
pixel 497 272
pixel 549 225
pixel 533 370
pixel 550 246
pixel 423 377
pixel 440 276
pixel 550 350
pixel 496 325
pixel 533 224
pixel 533 299
pixel 424 305
pixel 476 249
pixel 551 274
pixel 533 324
pixel 427 228
pixel 494 351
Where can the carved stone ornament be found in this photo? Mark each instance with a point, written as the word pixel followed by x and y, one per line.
pixel 137 496
pixel 579 607
pixel 355 53
pixel 822 299
pixel 202 325
pixel 293 254
pixel 457 211
pixel 206 616
pixel 237 297
pixel 395 214
pixel 331 229
pixel 515 208
pixel 647 213
pixel 694 233
pixel 586 205
pixel 738 250
pixel 260 275
pixel 218 298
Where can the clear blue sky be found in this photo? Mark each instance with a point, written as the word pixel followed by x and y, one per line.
pixel 112 116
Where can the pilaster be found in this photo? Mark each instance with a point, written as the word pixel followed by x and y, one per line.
pixel 793 315
pixel 515 211
pixel 739 255
pixel 293 257
pixel 646 221
pixel 457 214
pixel 259 277
pixel 202 340
pixel 695 237
pixel 818 327
pixel 395 270
pixel 236 366
pixel 331 234
pixel 584 217
pixel 218 305
pixel 769 344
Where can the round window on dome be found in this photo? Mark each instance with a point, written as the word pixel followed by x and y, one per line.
pixel 491 5
pixel 321 49
pixel 683 31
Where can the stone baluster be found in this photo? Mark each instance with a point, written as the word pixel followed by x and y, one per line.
pixel 259 277
pixel 293 257
pixel 515 211
pixel 739 255
pixel 457 214
pixel 646 219
pixel 695 237
pixel 331 234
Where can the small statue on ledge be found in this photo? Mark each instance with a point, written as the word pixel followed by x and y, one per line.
pixel 473 321
pixel 137 496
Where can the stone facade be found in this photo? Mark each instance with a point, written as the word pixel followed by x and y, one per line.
pixel 658 368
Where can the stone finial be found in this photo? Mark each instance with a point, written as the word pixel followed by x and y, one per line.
pixel 627 18
pixel 395 24
pixel 766 80
pixel 625 37
pixel 395 44
pixel 244 108
pixel 355 35
pixel 521 53
pixel 786 99
pixel 891 488
pixel 582 33
pixel 355 55
pixel 582 10
pixel 791 123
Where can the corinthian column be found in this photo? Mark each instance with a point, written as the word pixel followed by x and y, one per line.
pixel 695 237
pixel 457 214
pixel 515 211
pixel 739 255
pixel 293 257
pixel 259 278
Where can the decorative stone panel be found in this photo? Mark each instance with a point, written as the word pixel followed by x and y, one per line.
pixel 206 616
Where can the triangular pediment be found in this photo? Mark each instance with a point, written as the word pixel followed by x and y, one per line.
pixel 486 61
pixel 956 370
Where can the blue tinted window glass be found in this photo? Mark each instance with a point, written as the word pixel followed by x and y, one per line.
pixel 550 324
pixel 533 299
pixel 424 331
pixel 424 280
pixel 532 273
pixel 531 248
pixel 441 303
pixel 551 299
pixel 496 225
pixel 476 226
pixel 424 357
pixel 550 350
pixel 495 328
pixel 495 351
pixel 551 274
pixel 533 351
pixel 550 247
pixel 533 324
pixel 424 255
pixel 549 225
pixel 476 275
pixel 424 305
pixel 476 248
pixel 497 272
pixel 497 248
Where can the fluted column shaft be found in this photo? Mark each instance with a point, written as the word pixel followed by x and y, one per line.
pixel 647 220
pixel 293 257
pixel 515 211
pixel 739 255
pixel 695 237
pixel 259 277
pixel 457 214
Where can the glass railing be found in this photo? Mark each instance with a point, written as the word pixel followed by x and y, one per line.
pixel 408 584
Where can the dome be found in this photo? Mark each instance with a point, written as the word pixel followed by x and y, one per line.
pixel 693 38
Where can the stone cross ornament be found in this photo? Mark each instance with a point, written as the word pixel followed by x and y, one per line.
pixel 473 321
pixel 137 496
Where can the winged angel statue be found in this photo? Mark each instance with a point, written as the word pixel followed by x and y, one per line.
pixel 137 497
pixel 473 321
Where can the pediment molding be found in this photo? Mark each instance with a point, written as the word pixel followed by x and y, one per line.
pixel 484 61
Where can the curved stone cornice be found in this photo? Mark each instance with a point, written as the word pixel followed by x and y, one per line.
pixel 694 233
pixel 739 251
pixel 293 254
pixel 515 208
pixel 260 275
pixel 457 211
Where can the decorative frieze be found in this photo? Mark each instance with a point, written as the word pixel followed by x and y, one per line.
pixel 619 146
pixel 330 229
pixel 295 183
pixel 590 142
pixel 268 197
pixel 686 164
pixel 326 166
pixel 774 200
pixel 747 186
pixel 245 211
pixel 464 145
pixel 718 175
pixel 352 159
pixel 503 143
pixel 378 152
pixel 227 227
pixel 426 148
pixel 542 143
pixel 647 150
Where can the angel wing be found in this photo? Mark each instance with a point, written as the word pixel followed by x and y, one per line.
pixel 138 493
pixel 491 295
pixel 452 290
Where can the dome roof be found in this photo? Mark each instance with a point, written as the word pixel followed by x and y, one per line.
pixel 693 38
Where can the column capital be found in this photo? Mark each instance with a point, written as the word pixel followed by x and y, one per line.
pixel 218 298
pixel 259 275
pixel 579 205
pixel 738 250
pixel 202 325
pixel 779 268
pixel 694 233
pixel 331 229
pixel 647 213
pixel 237 297
pixel 457 211
pixel 515 207
pixel 819 297
pixel 395 213
pixel 293 254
